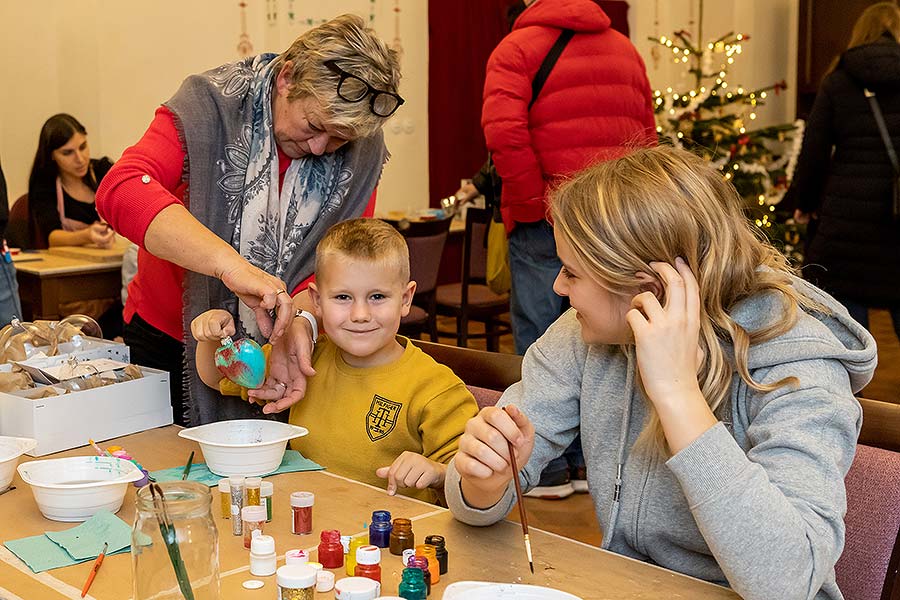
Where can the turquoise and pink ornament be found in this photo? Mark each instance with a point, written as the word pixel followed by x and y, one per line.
pixel 242 362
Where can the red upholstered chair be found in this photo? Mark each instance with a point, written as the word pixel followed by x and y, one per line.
pixel 868 567
pixel 483 396
pixel 426 240
pixel 471 299
pixel 17 230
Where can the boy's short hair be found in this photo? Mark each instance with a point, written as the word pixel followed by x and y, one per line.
pixel 366 239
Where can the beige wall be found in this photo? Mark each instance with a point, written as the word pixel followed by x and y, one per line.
pixel 111 62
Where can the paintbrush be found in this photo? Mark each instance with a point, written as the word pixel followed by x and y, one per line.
pixel 521 501
pixel 93 573
pixel 98 449
pixel 187 466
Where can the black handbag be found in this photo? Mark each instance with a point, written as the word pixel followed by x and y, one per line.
pixel 892 155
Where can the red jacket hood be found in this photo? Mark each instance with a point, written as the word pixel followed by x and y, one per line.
pixel 578 15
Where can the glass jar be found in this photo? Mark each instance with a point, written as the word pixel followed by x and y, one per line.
pixel 421 563
pixel 330 551
pixel 428 551
pixel 440 549
pixel 402 536
pixel 187 559
pixel 412 586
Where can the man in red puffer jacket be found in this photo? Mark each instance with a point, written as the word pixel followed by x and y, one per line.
pixel 595 105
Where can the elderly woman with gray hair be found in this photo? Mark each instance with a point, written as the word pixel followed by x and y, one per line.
pixel 237 178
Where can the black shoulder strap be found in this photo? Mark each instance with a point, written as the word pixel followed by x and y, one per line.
pixel 549 61
pixel 882 127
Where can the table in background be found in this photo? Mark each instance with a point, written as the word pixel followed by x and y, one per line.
pixel 67 274
pixel 488 554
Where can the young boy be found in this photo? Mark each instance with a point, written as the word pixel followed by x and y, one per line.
pixel 378 407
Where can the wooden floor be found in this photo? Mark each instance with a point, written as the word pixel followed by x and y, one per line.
pixel 574 517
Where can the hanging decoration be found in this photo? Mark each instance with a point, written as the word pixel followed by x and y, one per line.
pixel 655 52
pixel 713 119
pixel 294 18
pixel 397 45
pixel 272 12
pixel 244 47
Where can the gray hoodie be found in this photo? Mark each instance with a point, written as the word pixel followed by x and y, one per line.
pixel 757 501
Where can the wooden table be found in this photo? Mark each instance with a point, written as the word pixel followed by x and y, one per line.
pixel 54 279
pixel 487 554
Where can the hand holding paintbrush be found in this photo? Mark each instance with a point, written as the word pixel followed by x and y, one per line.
pixel 520 500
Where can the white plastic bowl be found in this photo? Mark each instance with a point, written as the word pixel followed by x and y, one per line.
pixel 74 489
pixel 11 448
pixel 248 447
pixel 483 590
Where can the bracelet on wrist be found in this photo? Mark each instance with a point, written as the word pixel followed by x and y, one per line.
pixel 312 322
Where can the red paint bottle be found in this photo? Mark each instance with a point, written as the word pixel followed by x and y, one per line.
pixel 368 559
pixel 331 552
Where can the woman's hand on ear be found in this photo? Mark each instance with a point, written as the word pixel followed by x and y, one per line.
pixel 667 338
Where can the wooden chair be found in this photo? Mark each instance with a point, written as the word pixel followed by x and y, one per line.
pixel 881 424
pixel 426 240
pixel 471 299
pixel 17 230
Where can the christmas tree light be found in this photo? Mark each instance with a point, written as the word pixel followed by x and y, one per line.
pixel 714 119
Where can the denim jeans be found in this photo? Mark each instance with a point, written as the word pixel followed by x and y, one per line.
pixel 533 265
pixel 9 293
pixel 860 313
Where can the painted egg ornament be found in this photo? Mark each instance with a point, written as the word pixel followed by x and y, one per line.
pixel 242 362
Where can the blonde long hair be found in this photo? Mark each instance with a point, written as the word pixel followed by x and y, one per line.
pixel 656 204
pixel 875 21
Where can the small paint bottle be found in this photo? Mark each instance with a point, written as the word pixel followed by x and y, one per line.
pixel 236 489
pixel 301 512
pixel 331 553
pixel 440 550
pixel 295 582
pixel 407 554
pixel 368 562
pixel 296 557
pixel 380 529
pixel 402 536
pixel 252 486
pixel 412 586
pixel 428 552
pixel 350 563
pixel 420 562
pixel 253 517
pixel 262 556
pixel 356 588
pixel 266 491
pixel 225 497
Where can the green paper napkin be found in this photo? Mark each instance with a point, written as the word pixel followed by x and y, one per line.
pixel 41 553
pixel 292 462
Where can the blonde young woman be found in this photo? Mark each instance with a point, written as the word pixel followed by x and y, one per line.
pixel 712 389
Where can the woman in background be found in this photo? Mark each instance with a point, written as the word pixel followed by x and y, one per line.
pixel 62 185
pixel 844 178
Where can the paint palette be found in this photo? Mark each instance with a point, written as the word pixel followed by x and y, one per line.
pixel 241 362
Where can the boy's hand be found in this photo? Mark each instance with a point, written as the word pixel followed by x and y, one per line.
pixel 412 470
pixel 212 326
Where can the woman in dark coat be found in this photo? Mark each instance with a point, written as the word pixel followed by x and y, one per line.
pixel 844 178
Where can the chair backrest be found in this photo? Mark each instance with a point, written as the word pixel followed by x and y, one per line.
pixel 426 240
pixel 881 424
pixel 490 370
pixel 474 268
pixel 17 235
pixel 867 569
pixel 483 396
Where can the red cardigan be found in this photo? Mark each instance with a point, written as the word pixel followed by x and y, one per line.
pixel 129 205
pixel 595 104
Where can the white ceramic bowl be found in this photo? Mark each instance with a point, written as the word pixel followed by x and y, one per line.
pixel 11 448
pixel 483 590
pixel 74 489
pixel 248 447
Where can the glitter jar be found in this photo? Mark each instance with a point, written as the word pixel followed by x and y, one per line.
pixel 252 486
pixel 266 490
pixel 225 498
pixel 253 518
pixel 295 582
pixel 301 512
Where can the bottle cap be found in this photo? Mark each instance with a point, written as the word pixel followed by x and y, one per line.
pixel 253 513
pixel 224 486
pixel 253 481
pixel 368 555
pixel 324 581
pixel 236 481
pixel 409 552
pixel 296 557
pixel 266 488
pixel 356 588
pixel 345 542
pixel 295 576
pixel 302 499
pixel 262 544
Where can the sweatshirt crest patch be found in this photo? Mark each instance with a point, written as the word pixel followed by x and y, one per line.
pixel 382 417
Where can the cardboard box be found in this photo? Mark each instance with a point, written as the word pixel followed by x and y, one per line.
pixel 69 420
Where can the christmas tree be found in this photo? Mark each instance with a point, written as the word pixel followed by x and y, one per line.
pixel 714 119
